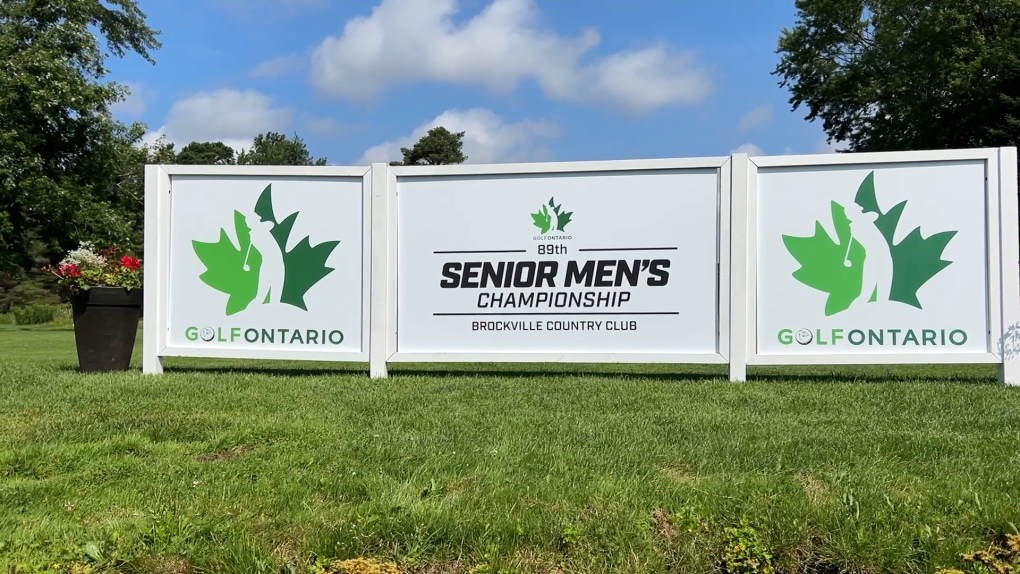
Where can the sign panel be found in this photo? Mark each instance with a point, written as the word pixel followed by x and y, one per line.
pixel 271 264
pixel 859 259
pixel 592 262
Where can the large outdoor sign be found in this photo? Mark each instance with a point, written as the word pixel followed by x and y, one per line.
pixel 873 259
pixel 891 258
pixel 565 263
pixel 266 266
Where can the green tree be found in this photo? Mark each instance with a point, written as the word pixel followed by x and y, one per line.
pixel 58 141
pixel 126 175
pixel 887 75
pixel 206 153
pixel 276 149
pixel 439 146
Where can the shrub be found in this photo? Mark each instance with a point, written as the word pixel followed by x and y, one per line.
pixel 64 314
pixel 19 292
pixel 34 314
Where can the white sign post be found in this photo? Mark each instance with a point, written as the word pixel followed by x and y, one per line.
pixel 257 263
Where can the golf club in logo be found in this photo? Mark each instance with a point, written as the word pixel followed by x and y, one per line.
pixel 259 267
pixel 863 265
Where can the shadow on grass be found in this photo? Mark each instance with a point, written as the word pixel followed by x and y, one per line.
pixel 311 372
pixel 955 374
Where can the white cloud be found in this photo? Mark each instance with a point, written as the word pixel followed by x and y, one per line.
pixel 231 116
pixel 487 138
pixel 749 149
pixel 278 66
pixel 133 104
pixel 755 118
pixel 408 41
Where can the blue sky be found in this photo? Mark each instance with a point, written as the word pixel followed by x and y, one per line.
pixel 528 80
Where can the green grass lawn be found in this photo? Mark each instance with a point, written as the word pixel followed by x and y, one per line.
pixel 234 467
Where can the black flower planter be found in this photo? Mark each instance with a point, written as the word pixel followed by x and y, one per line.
pixel 105 326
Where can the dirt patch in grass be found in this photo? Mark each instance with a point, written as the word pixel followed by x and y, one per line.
pixel 455 567
pixel 226 454
pixel 166 565
pixel 814 487
pixel 663 526
pixel 678 472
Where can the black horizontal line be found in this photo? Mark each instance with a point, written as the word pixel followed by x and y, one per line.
pixel 561 313
pixel 630 249
pixel 481 251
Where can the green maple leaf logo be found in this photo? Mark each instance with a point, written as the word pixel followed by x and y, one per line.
pixel 225 270
pixel 837 267
pixel 542 219
pixel 821 261
pixel 551 220
pixel 304 265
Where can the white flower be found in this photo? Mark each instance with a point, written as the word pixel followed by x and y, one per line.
pixel 84 256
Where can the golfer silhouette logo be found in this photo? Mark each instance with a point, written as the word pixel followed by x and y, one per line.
pixel 876 282
pixel 258 267
pixel 271 273
pixel 862 264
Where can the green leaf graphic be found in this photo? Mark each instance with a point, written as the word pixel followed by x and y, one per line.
pixel 822 264
pixel 225 266
pixel 264 205
pixel 281 231
pixel 915 259
pixel 304 265
pixel 866 195
pixel 563 219
pixel 887 222
pixel 542 219
pixel 554 221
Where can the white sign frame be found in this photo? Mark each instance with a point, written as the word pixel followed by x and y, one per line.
pixel 158 201
pixel 384 334
pixel 1002 257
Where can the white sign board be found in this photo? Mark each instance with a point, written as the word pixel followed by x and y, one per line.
pixel 881 258
pixel 873 259
pixel 560 263
pixel 266 267
pixel 885 258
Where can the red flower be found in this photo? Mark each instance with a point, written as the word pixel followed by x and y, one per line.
pixel 131 263
pixel 69 270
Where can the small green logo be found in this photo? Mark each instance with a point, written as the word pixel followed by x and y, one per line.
pixel 864 259
pixel 260 267
pixel 550 218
